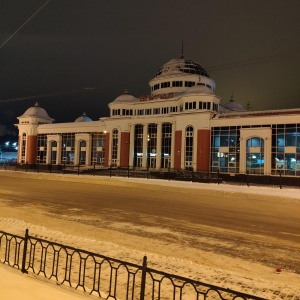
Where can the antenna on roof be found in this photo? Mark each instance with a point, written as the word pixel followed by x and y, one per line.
pixel 181 56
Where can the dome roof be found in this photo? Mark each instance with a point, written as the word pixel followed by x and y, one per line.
pixel 36 111
pixel 181 65
pixel 232 106
pixel 125 97
pixel 199 89
pixel 83 118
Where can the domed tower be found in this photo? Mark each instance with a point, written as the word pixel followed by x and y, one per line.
pixel 232 106
pixel 83 118
pixel 28 124
pixel 178 75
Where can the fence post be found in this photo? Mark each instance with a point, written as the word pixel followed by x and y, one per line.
pixel 78 170
pixel 218 176
pixel 247 174
pixel 169 173
pixel 26 166
pixel 128 171
pixel 94 169
pixel 23 270
pixel 143 280
pixel 38 166
pixel 110 170
pixel 280 179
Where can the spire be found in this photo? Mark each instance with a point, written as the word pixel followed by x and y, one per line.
pixel 125 92
pixel 181 56
pixel 36 104
pixel 248 105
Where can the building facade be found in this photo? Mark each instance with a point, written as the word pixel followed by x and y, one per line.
pixel 179 125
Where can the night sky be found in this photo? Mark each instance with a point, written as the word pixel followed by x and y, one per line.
pixel 249 47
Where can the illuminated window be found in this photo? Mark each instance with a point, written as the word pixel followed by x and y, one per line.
pixel 189 141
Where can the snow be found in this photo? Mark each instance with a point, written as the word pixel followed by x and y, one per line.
pixel 248 279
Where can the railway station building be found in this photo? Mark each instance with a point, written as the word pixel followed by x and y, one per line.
pixel 179 125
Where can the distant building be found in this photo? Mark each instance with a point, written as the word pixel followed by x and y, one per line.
pixel 180 125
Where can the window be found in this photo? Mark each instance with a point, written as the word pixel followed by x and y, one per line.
pixel 165 84
pixel 152 145
pixel 156 111
pixel 23 149
pixel 176 83
pixel 225 149
pixel 114 150
pixel 189 83
pixel 98 147
pixel 166 145
pixel 173 109
pixel 68 148
pixel 156 87
pixel 190 105
pixel 165 110
pixel 138 145
pixel 189 140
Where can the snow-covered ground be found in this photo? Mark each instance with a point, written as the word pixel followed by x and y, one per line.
pixel 250 278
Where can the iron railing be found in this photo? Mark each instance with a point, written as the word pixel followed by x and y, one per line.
pixel 274 180
pixel 102 276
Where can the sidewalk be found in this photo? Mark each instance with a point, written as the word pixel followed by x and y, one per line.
pixel 16 285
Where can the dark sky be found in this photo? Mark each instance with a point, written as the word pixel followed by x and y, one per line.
pixel 116 44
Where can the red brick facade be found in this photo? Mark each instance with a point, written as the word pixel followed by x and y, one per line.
pixel 203 151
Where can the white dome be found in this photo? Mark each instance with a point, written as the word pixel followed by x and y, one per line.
pixel 83 118
pixel 125 97
pixel 232 106
pixel 199 89
pixel 36 111
pixel 181 65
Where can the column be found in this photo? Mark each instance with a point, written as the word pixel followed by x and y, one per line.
pixel 48 154
pixel 88 151
pixel 76 152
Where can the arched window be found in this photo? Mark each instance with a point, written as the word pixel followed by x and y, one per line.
pixel 166 145
pixel 138 145
pixel 23 149
pixel 114 149
pixel 189 143
pixel 152 145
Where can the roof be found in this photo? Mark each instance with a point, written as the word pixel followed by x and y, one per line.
pixel 264 113
pixel 125 97
pixel 181 65
pixel 199 89
pixel 83 118
pixel 232 106
pixel 36 111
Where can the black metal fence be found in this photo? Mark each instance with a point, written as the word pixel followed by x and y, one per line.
pixel 166 174
pixel 102 276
